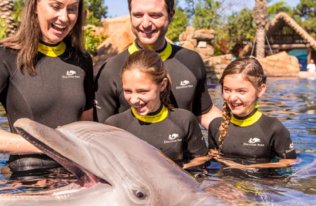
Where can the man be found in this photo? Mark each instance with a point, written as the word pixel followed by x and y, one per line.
pixel 149 21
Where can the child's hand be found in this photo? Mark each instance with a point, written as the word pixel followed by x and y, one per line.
pixel 214 153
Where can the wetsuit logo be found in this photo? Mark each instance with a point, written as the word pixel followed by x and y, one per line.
pixel 172 138
pixel 96 104
pixel 184 84
pixel 254 140
pixel 71 74
pixel 291 146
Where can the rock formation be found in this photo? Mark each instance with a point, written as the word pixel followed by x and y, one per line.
pixel 281 65
pixel 198 40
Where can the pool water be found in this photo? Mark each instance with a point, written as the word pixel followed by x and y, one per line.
pixel 293 101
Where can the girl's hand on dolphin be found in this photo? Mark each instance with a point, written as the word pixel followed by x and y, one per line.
pixel 234 165
pixel 213 153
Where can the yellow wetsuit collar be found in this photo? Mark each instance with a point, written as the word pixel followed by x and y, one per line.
pixel 248 121
pixel 159 117
pixel 164 54
pixel 52 51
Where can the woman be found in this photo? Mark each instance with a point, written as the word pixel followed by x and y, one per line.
pixel 45 75
pixel 146 88
pixel 244 134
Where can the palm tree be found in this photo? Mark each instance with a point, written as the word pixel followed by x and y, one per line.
pixel 6 13
pixel 260 18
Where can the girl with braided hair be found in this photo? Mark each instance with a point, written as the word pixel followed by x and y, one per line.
pixel 243 137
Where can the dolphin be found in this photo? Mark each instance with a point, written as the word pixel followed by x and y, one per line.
pixel 113 167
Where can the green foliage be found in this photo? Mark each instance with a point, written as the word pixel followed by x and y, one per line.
pixel 305 14
pixel 96 11
pixel 18 7
pixel 206 14
pixel 92 41
pixel 3 28
pixel 280 6
pixel 239 28
pixel 178 24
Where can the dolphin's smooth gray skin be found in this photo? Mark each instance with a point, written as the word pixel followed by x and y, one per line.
pixel 114 168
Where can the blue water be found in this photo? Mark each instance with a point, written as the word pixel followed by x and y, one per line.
pixel 293 101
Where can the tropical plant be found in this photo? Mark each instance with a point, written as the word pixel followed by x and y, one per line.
pixel 206 14
pixel 92 40
pixel 260 19
pixel 96 11
pixel 179 23
pixel 3 29
pixel 305 14
pixel 238 29
pixel 6 13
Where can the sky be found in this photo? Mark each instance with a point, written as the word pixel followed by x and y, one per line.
pixel 119 7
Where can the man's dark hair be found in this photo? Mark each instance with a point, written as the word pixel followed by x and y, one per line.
pixel 169 4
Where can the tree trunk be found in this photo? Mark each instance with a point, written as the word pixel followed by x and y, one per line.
pixel 260 39
pixel 260 18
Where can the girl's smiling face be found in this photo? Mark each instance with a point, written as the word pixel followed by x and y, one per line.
pixel 56 18
pixel 141 92
pixel 240 94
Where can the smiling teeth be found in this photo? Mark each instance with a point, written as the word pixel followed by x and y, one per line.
pixel 59 27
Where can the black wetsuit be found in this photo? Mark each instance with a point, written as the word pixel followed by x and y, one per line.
pixel 188 77
pixel 257 139
pixel 58 94
pixel 176 133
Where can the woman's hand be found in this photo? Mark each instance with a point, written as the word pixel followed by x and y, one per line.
pixel 15 144
pixel 196 161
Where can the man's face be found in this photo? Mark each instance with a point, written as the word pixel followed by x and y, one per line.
pixel 149 20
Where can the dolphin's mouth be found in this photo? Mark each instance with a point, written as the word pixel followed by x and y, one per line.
pixel 85 179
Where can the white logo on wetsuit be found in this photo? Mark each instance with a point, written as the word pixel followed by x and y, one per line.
pixel 184 84
pixel 96 104
pixel 254 140
pixel 291 146
pixel 172 138
pixel 71 74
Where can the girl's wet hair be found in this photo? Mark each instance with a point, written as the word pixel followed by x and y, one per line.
pixel 26 39
pixel 253 72
pixel 150 62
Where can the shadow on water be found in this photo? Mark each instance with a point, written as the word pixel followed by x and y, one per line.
pixel 293 101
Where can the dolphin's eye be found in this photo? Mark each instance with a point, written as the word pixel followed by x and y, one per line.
pixel 139 194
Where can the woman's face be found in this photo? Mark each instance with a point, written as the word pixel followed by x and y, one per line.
pixel 240 94
pixel 56 18
pixel 141 92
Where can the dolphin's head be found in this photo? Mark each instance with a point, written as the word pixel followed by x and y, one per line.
pixel 135 172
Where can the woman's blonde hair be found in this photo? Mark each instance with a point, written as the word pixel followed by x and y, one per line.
pixel 26 39
pixel 150 62
pixel 253 72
